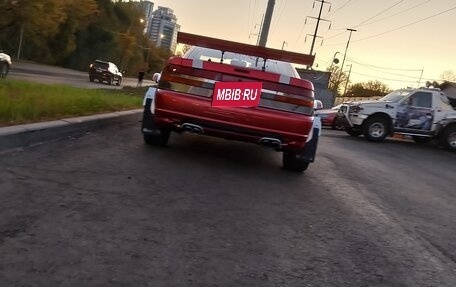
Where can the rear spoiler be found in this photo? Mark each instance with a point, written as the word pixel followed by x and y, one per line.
pixel 251 50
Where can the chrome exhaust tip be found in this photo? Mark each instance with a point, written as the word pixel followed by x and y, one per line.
pixel 192 128
pixel 270 142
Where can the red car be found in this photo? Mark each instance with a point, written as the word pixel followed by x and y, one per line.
pixel 329 118
pixel 282 120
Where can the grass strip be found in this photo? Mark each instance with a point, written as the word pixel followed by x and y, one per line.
pixel 26 102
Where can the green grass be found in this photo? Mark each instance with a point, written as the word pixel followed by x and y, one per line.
pixel 26 102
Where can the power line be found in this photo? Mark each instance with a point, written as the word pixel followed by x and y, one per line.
pixel 394 80
pixel 380 13
pixel 340 8
pixel 384 18
pixel 302 30
pixel 385 79
pixel 358 25
pixel 276 20
pixel 400 12
pixel 334 12
pixel 248 18
pixel 384 68
pixel 407 25
pixel 395 74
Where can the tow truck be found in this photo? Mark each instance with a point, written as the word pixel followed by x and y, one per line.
pixel 425 113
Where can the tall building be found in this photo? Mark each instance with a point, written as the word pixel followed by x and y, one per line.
pixel 163 28
pixel 147 7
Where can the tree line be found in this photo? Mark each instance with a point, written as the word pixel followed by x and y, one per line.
pixel 339 81
pixel 73 33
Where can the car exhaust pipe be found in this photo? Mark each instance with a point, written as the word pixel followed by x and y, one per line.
pixel 192 128
pixel 270 142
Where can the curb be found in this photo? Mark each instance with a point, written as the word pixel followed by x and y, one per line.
pixel 21 136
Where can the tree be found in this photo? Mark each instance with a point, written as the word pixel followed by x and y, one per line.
pixel 368 89
pixel 79 14
pixel 184 49
pixel 449 76
pixel 336 79
pixel 35 21
pixel 73 33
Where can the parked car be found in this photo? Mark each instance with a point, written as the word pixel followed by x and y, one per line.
pixel 283 118
pixel 105 72
pixel 330 118
pixel 5 64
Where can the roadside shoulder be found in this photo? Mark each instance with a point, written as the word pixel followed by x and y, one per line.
pixel 21 136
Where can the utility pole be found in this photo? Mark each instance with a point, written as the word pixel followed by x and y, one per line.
pixel 348 79
pixel 421 76
pixel 283 44
pixel 318 24
pixel 21 34
pixel 266 24
pixel 345 54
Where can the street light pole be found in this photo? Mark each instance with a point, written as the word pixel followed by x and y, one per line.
pixel 345 54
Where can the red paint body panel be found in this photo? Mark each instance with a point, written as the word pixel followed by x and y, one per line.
pixel 185 93
pixel 251 73
pixel 245 124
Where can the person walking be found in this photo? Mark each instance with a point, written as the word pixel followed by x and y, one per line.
pixel 140 78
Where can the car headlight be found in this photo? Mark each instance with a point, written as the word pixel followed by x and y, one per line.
pixel 355 109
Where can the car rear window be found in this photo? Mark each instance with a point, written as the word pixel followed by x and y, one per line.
pixel 206 54
pixel 101 65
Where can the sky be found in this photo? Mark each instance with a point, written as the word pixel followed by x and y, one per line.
pixel 397 42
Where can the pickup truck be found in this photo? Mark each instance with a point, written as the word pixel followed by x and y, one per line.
pixel 423 114
pixel 283 120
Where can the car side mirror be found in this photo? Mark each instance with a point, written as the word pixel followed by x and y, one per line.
pixel 156 77
pixel 318 105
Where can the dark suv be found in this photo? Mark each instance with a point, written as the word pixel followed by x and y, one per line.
pixel 105 72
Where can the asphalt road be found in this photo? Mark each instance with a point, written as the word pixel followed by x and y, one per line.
pixel 106 210
pixel 57 75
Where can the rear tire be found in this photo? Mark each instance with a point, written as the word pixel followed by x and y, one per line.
pixel 376 128
pixel 293 163
pixel 153 135
pixel 448 138
pixel 157 140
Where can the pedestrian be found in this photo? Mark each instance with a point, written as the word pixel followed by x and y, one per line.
pixel 140 78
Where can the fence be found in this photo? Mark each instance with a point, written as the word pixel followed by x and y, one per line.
pixel 340 100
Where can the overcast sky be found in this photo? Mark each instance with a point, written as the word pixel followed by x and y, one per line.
pixel 395 42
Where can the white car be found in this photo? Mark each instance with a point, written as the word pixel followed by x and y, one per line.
pixel 5 64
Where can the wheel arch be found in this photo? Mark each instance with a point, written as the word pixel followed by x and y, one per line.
pixel 384 116
pixel 445 134
pixel 447 126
